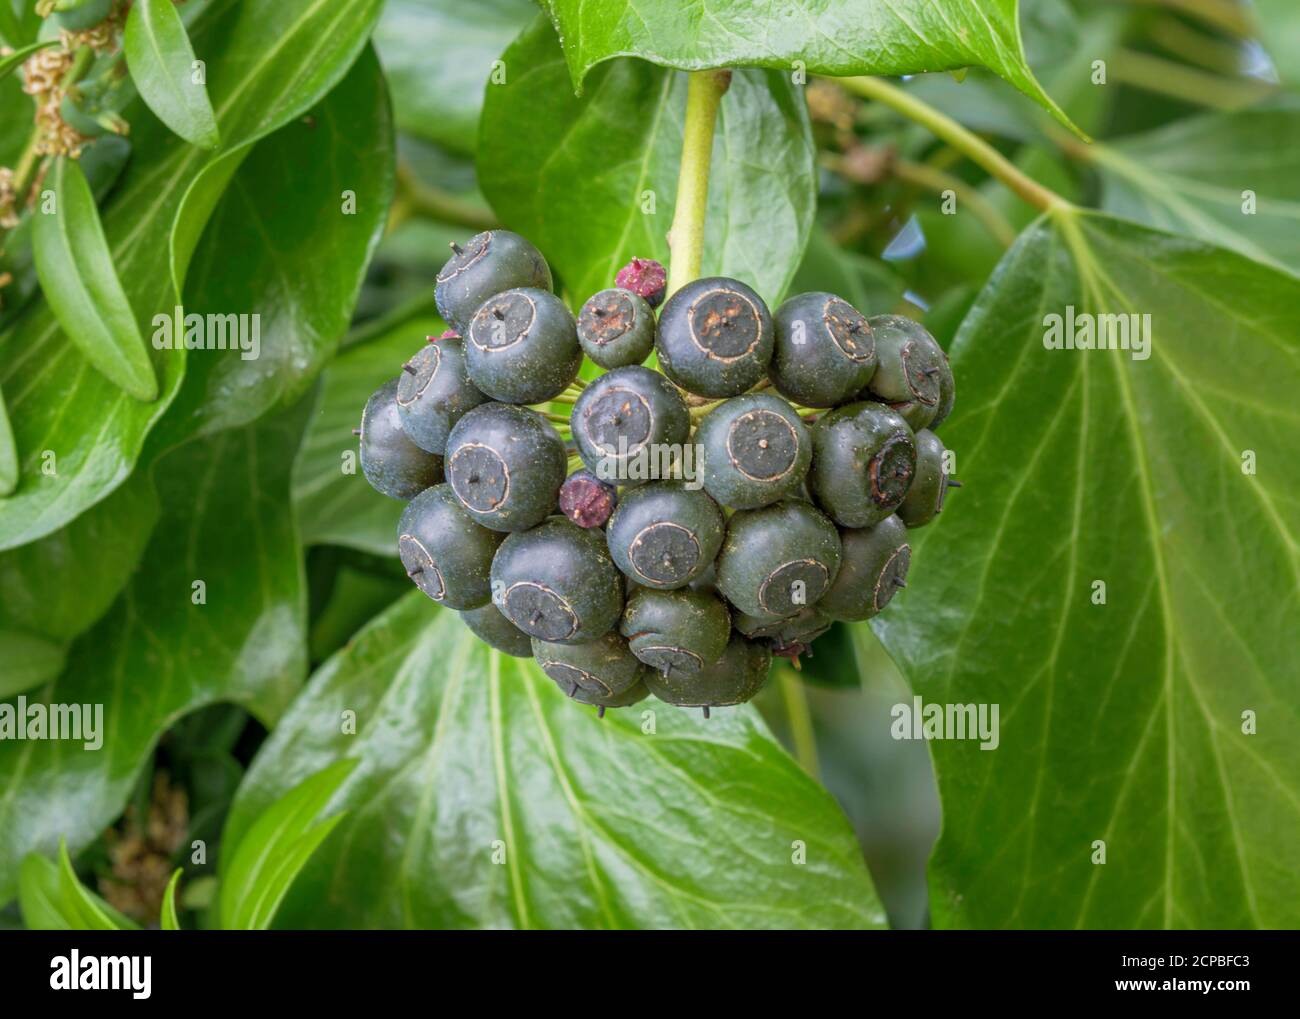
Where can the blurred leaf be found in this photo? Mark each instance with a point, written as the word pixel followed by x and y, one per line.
pixel 28 660
pixel 337 508
pixel 16 59
pixel 356 598
pixel 53 899
pixel 835 37
pixel 578 176
pixel 269 61
pixel 261 255
pixel 79 280
pixel 275 848
pixel 168 647
pixel 465 755
pixel 160 58
pixel 870 286
pixel 8 453
pixel 169 921
pixel 1120 721
pixel 440 98
pixel 1192 177
pixel 1279 22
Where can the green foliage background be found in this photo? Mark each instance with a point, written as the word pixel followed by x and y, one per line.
pixel 316 181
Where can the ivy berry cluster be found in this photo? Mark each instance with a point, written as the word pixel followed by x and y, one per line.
pixel 690 522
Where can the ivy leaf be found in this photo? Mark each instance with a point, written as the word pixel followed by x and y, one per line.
pixel 53 899
pixel 160 58
pixel 1279 31
pixel 466 757
pixel 439 99
pixel 75 267
pixel 334 502
pixel 8 452
pixel 1154 714
pixel 835 37
pixel 277 59
pixel 592 181
pixel 219 616
pixel 30 660
pixel 270 855
pixel 1192 177
pixel 337 162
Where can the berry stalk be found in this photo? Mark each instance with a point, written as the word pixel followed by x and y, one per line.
pixel 686 238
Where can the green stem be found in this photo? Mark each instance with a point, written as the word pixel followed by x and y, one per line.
pixel 938 181
pixel 686 238
pixel 967 142
pixel 1170 78
pixel 801 728
pixel 415 198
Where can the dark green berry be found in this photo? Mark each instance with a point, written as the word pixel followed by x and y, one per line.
pixel 506 465
pixel 600 669
pixel 628 697
pixel 616 328
pixel 802 628
pixel 917 414
pixel 676 631
pixel 715 337
pixel 557 582
pixel 445 552
pixel 947 395
pixel 734 679
pixel 873 569
pixel 495 630
pixel 778 559
pixel 391 462
pixel 434 391
pixel 824 353
pixel 864 458
pixel 628 423
pixel 488 264
pixel 755 450
pixel 522 346
pixel 924 499
pixel 912 366
pixel 664 535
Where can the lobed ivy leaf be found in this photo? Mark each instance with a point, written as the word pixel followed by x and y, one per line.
pixel 75 267
pixel 834 37
pixel 592 181
pixel 1154 714
pixel 267 859
pixel 334 502
pixel 1232 179
pixel 269 61
pixel 483 797
pixel 219 616
pixel 161 61
pixel 439 98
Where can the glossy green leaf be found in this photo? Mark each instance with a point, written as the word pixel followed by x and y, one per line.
pixel 28 660
pixel 75 267
pixel 16 59
pixel 268 857
pixel 1155 714
pixel 161 61
pixel 438 94
pixel 836 37
pixel 651 817
pixel 53 899
pixel 168 920
pixel 269 61
pixel 592 181
pixel 291 304
pixel 1229 178
pixel 218 616
pixel 1279 24
pixel 334 502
